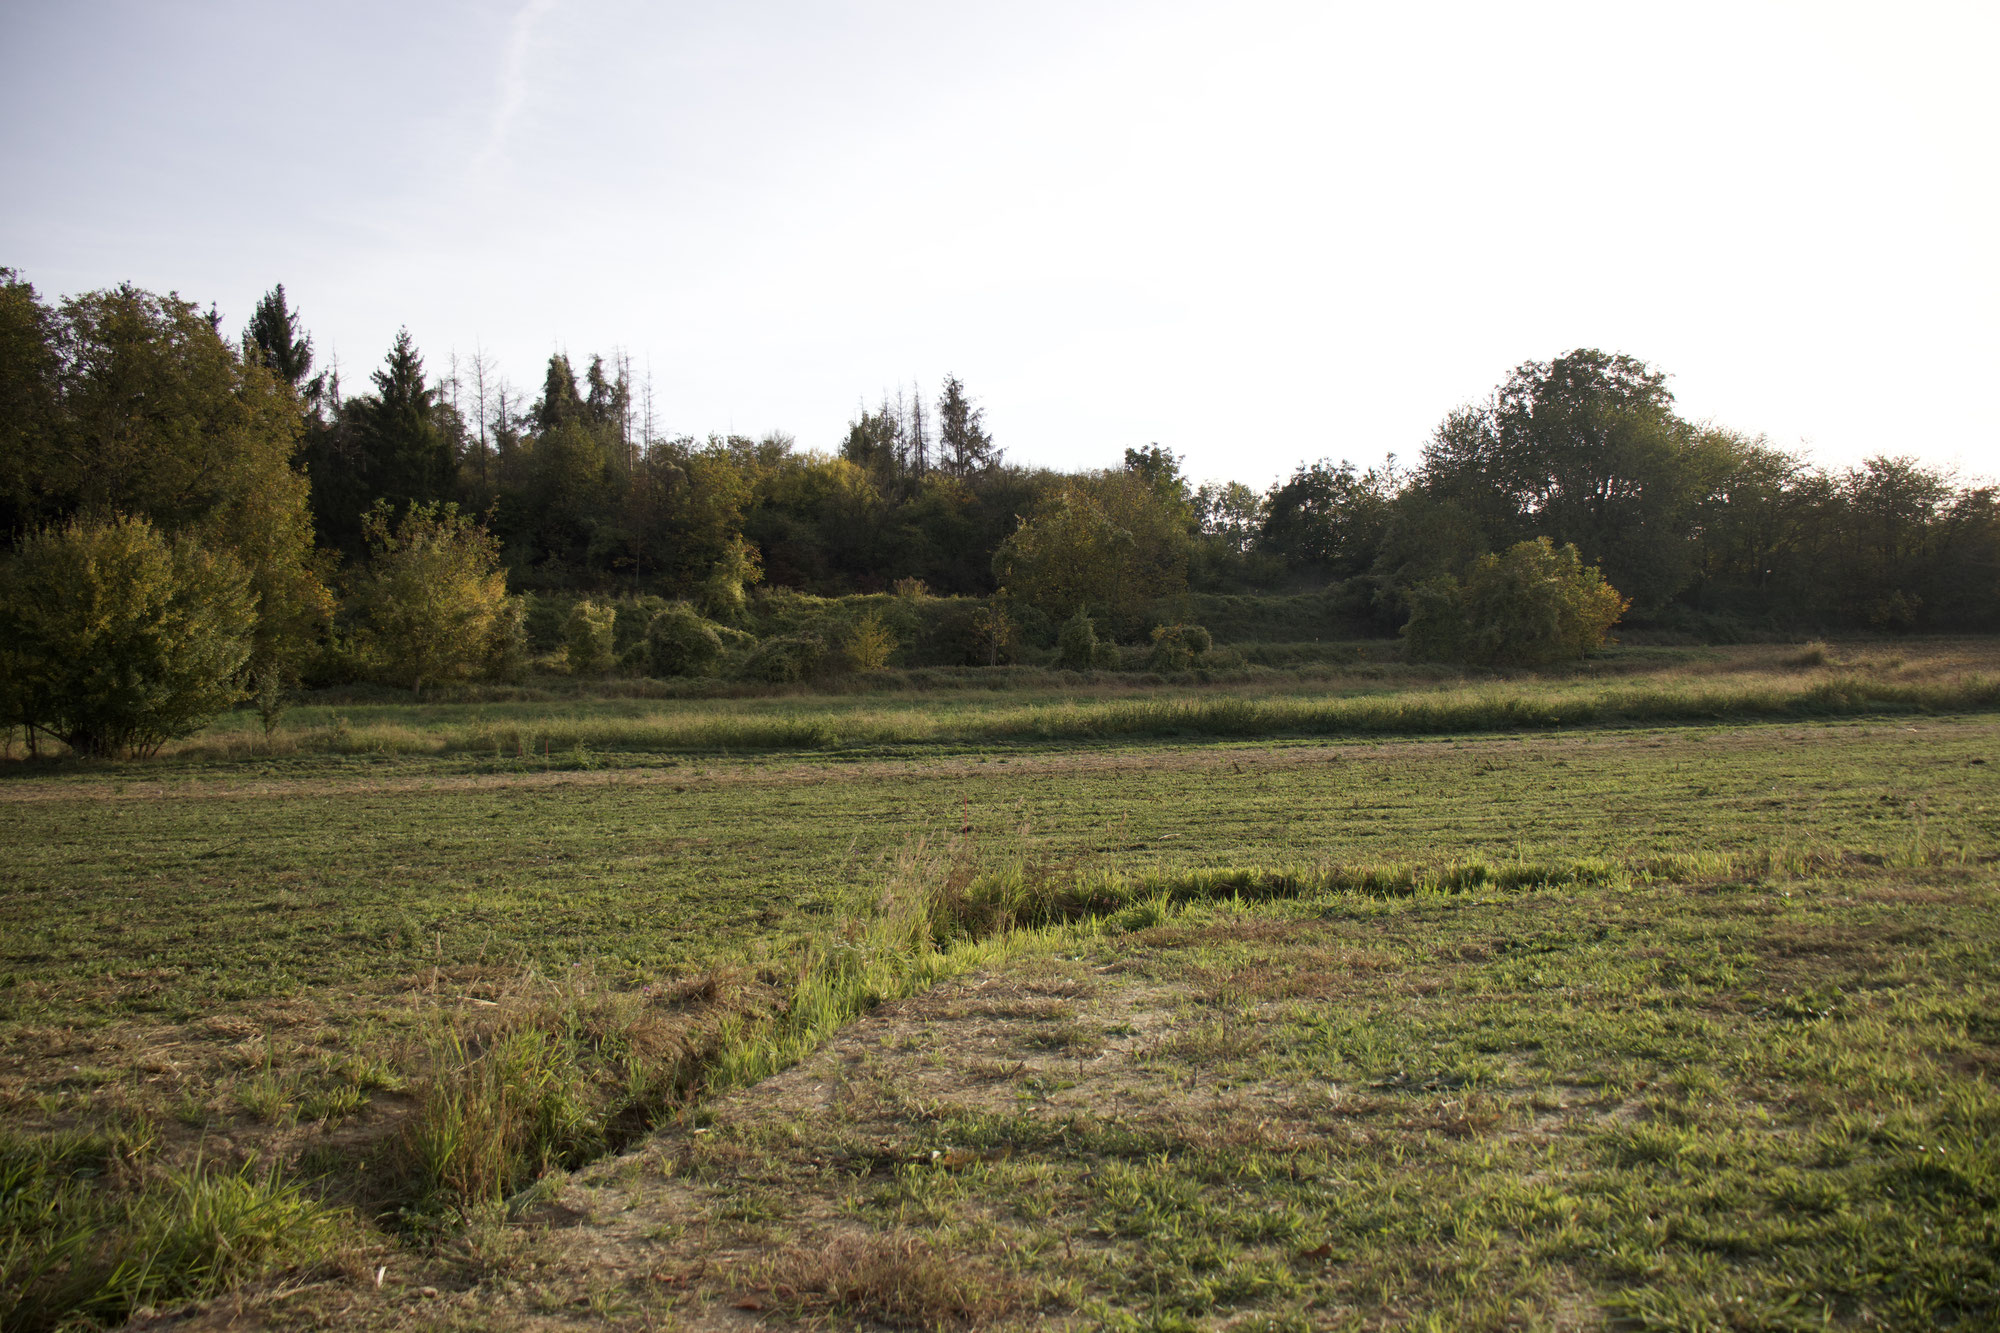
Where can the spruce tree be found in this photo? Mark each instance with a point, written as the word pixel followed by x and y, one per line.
pixel 405 456
pixel 274 337
pixel 965 446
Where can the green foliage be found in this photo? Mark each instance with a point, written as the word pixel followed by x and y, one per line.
pixel 1536 604
pixel 1178 647
pixel 114 639
pixel 507 641
pixel 125 402
pixel 275 338
pixel 723 596
pixel 497 1112
pixel 1110 542
pixel 1327 519
pixel 995 633
pixel 964 447
pixel 431 598
pixel 82 1246
pixel 588 638
pixel 1076 642
pixel 1585 450
pixel 785 659
pixel 405 455
pixel 680 643
pixel 869 644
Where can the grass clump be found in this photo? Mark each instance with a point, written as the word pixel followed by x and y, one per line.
pixel 92 1228
pixel 557 1076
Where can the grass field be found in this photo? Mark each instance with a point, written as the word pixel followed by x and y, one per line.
pixel 1313 1025
pixel 498 727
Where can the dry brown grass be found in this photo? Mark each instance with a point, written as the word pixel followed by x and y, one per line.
pixel 898 1280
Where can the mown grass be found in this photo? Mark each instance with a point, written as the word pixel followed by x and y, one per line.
pixel 1755 1100
pixel 426 983
pixel 171 903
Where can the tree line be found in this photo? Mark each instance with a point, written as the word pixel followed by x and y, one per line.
pixel 127 403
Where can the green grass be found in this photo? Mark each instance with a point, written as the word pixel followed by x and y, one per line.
pixel 833 722
pixel 426 977
pixel 499 726
pixel 93 1227
pixel 339 884
pixel 1760 1102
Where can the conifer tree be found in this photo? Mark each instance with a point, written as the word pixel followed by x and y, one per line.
pixel 274 337
pixel 963 444
pixel 405 455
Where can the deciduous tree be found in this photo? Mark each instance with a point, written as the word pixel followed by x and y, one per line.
pixel 431 601
pixel 114 638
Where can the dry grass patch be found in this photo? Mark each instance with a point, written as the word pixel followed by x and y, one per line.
pixel 899 1280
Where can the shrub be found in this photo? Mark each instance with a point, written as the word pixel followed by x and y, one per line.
pixel 1537 603
pixel 1076 642
pixel 1175 647
pixel 588 636
pixel 785 659
pixel 507 641
pixel 679 642
pixel 430 596
pixel 870 643
pixel 994 634
pixel 722 594
pixel 634 616
pixel 114 640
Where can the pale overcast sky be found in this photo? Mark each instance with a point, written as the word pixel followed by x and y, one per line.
pixel 1256 233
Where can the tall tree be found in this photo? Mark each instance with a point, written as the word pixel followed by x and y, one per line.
pixel 274 337
pixel 560 403
pixel 29 400
pixel 1326 519
pixel 1583 449
pixel 872 441
pixel 133 404
pixel 915 435
pixel 963 444
pixel 1104 543
pixel 406 453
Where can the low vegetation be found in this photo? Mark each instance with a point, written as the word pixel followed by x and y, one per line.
pixel 464 983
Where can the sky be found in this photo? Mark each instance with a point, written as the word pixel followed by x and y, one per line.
pixel 1254 233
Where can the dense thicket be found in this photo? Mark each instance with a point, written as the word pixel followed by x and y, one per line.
pixel 123 401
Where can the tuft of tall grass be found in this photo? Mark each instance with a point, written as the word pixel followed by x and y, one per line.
pixel 92 1229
